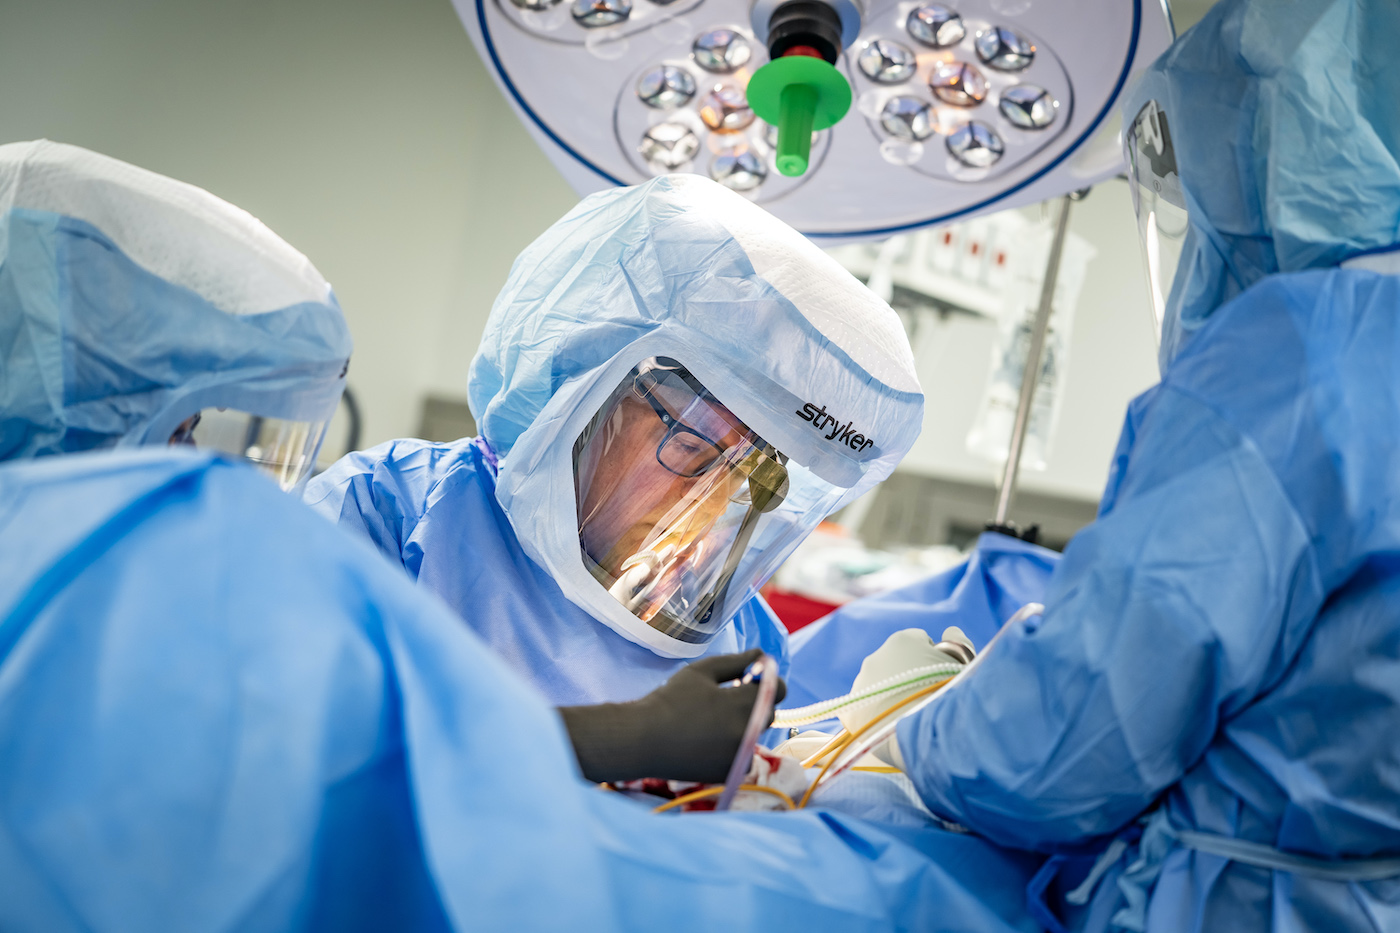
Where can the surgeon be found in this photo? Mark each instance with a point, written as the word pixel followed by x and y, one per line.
pixel 218 712
pixel 1210 701
pixel 673 389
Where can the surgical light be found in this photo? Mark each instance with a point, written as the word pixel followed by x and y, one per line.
pixel 954 108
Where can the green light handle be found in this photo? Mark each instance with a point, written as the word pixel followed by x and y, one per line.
pixel 799 95
pixel 797 110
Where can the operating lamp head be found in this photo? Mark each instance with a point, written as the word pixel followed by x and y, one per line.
pixel 899 113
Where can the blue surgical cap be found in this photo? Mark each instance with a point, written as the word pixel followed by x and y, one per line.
pixel 1284 117
pixel 129 302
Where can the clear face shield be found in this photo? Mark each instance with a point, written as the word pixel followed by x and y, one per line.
pixel 1158 202
pixel 284 450
pixel 671 487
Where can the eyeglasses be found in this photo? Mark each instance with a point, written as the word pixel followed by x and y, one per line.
pixel 684 450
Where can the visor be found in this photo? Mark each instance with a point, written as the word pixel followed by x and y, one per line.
pixel 676 496
pixel 1158 201
pixel 285 450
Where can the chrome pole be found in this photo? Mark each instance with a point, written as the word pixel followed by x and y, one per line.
pixel 1030 376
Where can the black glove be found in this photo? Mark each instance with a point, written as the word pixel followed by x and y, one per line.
pixel 687 729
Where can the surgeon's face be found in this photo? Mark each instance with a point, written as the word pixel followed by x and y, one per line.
pixel 630 492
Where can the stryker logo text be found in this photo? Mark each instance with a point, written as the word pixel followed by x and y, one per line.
pixel 841 433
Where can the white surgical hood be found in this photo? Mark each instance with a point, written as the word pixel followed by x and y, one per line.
pixel 682 268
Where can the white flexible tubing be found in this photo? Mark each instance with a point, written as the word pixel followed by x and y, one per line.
pixel 853 751
pixel 816 712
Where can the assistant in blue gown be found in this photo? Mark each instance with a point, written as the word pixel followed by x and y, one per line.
pixel 1220 650
pixel 218 712
pixel 677 267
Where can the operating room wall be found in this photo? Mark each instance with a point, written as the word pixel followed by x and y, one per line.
pixel 367 134
pixel 1112 358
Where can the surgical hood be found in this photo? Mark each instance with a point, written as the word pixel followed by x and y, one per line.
pixel 683 274
pixel 682 267
pixel 129 302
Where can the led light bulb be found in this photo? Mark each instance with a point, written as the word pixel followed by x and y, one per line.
pixel 886 62
pixel 936 26
pixel 721 50
pixel 668 146
pixel 725 110
pixel 1028 107
pixel 1004 50
pixel 976 145
pixel 740 171
pixel 666 87
pixel 958 83
pixel 907 118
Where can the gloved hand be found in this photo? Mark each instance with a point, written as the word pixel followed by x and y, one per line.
pixel 903 651
pixel 687 729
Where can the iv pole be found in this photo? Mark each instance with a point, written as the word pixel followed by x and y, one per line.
pixel 1030 377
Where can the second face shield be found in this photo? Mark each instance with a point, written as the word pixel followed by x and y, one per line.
pixel 1158 201
pixel 282 449
pixel 671 486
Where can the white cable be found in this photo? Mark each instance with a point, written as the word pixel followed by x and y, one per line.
pixel 882 689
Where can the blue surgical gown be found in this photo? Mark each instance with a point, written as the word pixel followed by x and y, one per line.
pixel 1000 576
pixel 432 507
pixel 219 713
pixel 1221 648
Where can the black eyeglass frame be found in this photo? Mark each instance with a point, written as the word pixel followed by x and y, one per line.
pixel 642 385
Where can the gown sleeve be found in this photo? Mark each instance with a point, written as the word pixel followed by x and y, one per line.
pixel 1228 518
pixel 1164 617
pixel 380 493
